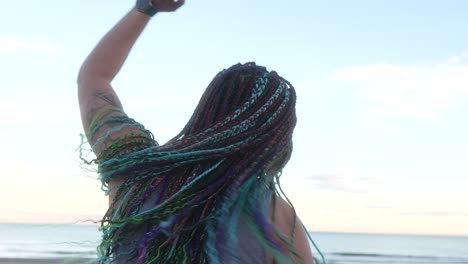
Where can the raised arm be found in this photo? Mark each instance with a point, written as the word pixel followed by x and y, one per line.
pixel 95 92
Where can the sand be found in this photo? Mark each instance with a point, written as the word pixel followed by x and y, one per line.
pixel 43 261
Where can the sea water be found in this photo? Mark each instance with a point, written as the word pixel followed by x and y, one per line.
pixel 48 241
pixel 344 248
pixel 70 241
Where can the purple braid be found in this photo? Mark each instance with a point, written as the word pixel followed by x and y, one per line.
pixel 180 202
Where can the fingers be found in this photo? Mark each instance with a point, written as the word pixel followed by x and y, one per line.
pixel 167 5
pixel 179 3
pixel 174 5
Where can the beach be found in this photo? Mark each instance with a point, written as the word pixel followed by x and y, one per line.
pixel 73 244
pixel 42 261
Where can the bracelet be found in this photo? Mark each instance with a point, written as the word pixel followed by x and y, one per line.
pixel 146 7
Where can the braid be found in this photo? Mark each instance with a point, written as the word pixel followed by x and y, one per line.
pixel 181 202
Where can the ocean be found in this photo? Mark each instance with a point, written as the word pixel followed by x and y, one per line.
pixel 71 241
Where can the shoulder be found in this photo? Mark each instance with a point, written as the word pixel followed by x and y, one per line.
pixel 286 220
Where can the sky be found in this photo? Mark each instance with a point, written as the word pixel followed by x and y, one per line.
pixel 380 145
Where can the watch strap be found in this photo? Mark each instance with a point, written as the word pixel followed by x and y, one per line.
pixel 146 7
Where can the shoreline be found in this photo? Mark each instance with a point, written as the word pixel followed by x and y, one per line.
pixel 44 261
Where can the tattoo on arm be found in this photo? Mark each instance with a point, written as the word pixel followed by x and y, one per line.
pixel 109 98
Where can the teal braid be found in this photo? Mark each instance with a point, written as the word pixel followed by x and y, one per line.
pixel 181 202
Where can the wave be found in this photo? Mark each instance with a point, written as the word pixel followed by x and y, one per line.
pixel 351 257
pixel 72 253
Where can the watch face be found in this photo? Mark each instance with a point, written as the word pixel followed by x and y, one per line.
pixel 146 6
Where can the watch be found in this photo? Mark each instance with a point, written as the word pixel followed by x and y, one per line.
pixel 146 7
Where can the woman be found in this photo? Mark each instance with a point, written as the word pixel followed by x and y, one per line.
pixel 209 195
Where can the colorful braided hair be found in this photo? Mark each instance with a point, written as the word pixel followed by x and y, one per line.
pixel 181 202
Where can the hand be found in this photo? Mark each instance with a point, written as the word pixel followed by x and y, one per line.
pixel 167 5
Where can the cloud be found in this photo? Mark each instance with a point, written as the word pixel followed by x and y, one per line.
pixel 454 60
pixel 4 140
pixel 432 213
pixel 378 206
pixel 344 182
pixel 425 91
pixel 26 112
pixel 10 45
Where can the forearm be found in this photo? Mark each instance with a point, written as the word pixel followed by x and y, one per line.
pixel 107 58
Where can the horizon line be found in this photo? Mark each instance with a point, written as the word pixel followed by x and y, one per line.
pixel 89 223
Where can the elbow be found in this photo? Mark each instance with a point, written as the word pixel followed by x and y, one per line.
pixel 81 77
pixel 86 76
